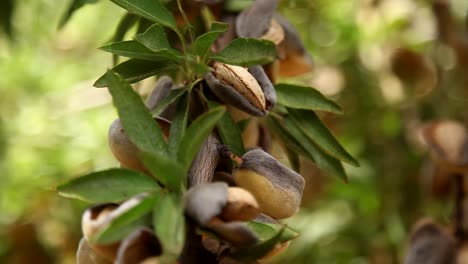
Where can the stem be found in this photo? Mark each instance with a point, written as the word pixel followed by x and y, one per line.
pixel 184 16
pixel 458 211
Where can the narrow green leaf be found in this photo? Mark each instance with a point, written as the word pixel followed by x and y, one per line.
pixel 202 44
pixel 74 5
pixel 229 132
pixel 171 98
pixel 149 9
pixel 196 134
pixel 165 169
pixel 266 231
pixel 325 162
pixel 179 124
pixel 169 225
pixel 138 123
pixel 7 8
pixel 125 24
pixel 134 49
pixel 237 5
pixel 302 97
pixel 313 127
pixel 135 70
pixel 247 52
pixel 108 186
pixel 289 141
pixel 260 250
pixel 155 39
pixel 127 222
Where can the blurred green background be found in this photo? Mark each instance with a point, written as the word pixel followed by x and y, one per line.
pixel 53 123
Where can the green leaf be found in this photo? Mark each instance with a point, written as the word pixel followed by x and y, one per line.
pixel 247 52
pixel 135 70
pixel 266 231
pixel 237 5
pixel 136 50
pixel 313 127
pixel 169 225
pixel 202 44
pixel 138 123
pixel 229 132
pixel 196 134
pixel 289 141
pixel 74 5
pixel 125 24
pixel 165 169
pixel 127 222
pixel 325 162
pixel 302 97
pixel 108 186
pixel 155 39
pixel 260 250
pixel 171 98
pixel 149 9
pixel 179 124
pixel 7 8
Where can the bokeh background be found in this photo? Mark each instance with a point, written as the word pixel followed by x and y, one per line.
pixel 391 64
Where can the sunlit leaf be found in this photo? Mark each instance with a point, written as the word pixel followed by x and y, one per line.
pixel 261 249
pixel 127 222
pixel 266 231
pixel 149 9
pixel 202 44
pixel 196 134
pixel 302 97
pixel 247 52
pixel 113 185
pixel 135 70
pixel 138 123
pixel 169 225
pixel 313 127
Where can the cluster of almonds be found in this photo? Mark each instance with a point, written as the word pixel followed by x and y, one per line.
pixel 220 197
pixel 431 242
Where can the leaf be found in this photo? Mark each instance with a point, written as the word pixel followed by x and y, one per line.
pixel 247 52
pixel 260 250
pixel 136 50
pixel 138 123
pixel 302 97
pixel 237 5
pixel 266 231
pixel 113 185
pixel 171 98
pixel 149 9
pixel 134 70
pixel 74 5
pixel 167 170
pixel 169 224
pixel 325 162
pixel 202 44
pixel 127 222
pixel 196 134
pixel 125 24
pixel 179 124
pixel 289 141
pixel 229 132
pixel 313 127
pixel 7 8
pixel 155 39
